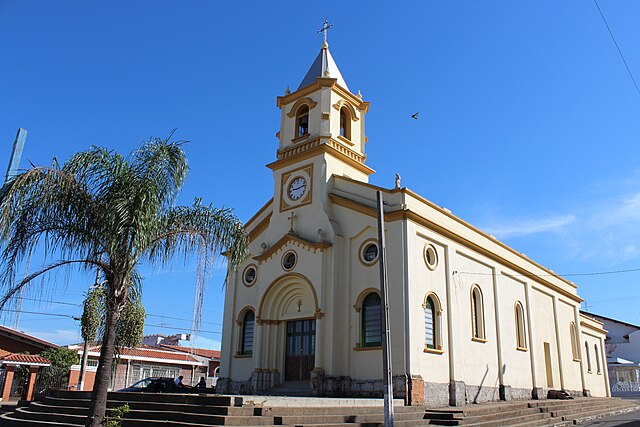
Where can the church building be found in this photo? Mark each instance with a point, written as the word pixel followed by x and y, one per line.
pixel 471 319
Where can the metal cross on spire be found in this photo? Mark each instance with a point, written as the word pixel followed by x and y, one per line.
pixel 325 27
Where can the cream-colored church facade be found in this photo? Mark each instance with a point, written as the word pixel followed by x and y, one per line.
pixel 471 319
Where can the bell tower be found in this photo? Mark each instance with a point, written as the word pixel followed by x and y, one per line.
pixel 321 134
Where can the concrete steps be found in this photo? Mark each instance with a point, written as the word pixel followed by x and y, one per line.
pixel 530 413
pixel 174 410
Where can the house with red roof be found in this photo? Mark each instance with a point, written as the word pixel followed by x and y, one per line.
pixel 135 364
pixel 19 350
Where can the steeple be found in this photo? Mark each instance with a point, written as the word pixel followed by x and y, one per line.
pixel 323 66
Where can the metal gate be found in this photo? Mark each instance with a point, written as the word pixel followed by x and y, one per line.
pixel 51 378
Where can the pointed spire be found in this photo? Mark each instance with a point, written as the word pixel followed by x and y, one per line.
pixel 323 66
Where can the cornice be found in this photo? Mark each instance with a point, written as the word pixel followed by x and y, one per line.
pixel 316 146
pixel 258 229
pixel 320 83
pixel 592 327
pixel 292 238
pixel 249 223
pixel 407 214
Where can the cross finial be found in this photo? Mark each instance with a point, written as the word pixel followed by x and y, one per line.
pixel 325 28
pixel 291 218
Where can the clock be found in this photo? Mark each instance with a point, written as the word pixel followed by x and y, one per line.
pixel 297 188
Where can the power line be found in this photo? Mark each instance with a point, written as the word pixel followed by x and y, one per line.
pixel 594 273
pixel 43 314
pixel 80 305
pixel 167 326
pixel 617 47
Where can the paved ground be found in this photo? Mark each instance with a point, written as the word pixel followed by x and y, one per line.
pixel 630 419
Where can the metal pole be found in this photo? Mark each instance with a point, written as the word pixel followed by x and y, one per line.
pixel 16 154
pixel 386 337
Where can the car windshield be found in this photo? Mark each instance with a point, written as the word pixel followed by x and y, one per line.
pixel 143 383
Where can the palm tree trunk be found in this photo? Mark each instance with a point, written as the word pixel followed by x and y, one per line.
pixel 98 407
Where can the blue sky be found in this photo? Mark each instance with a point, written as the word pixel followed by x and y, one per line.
pixel 528 122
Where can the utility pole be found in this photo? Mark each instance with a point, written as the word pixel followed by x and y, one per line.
pixel 16 154
pixel 12 171
pixel 386 337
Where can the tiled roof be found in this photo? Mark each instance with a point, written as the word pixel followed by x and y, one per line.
pixel 153 353
pixel 26 359
pixel 202 352
pixel 27 337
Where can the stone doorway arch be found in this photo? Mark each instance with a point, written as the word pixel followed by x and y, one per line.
pixel 287 320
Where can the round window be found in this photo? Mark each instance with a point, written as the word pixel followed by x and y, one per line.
pixel 369 252
pixel 249 275
pixel 430 256
pixel 289 260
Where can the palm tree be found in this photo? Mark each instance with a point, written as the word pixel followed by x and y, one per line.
pixel 103 211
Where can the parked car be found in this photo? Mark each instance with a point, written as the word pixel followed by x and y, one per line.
pixel 156 385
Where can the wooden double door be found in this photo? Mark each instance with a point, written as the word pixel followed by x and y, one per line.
pixel 301 349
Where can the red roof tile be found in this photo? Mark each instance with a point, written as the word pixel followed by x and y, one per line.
pixel 153 353
pixel 202 352
pixel 26 359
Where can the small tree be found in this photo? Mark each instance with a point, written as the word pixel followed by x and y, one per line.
pixel 61 357
pixel 103 211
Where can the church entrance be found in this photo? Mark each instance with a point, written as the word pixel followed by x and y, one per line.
pixel 301 349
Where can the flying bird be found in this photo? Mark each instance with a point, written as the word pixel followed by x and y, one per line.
pixel 415 116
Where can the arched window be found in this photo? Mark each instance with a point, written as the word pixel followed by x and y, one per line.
pixel 248 326
pixel 477 313
pixel 575 351
pixel 521 338
pixel 432 312
pixel 371 321
pixel 586 349
pixel 595 349
pixel 302 121
pixel 345 123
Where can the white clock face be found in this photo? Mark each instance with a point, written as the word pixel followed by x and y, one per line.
pixel 297 188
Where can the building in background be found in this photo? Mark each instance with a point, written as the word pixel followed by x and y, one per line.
pixel 623 355
pixel 134 364
pixel 19 351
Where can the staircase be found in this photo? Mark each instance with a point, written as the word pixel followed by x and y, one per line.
pixel 69 408
pixel 529 413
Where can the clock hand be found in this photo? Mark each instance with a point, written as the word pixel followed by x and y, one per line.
pixel 296 188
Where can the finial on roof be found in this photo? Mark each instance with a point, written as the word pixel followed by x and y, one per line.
pixel 326 26
pixel 287 91
pixel 359 95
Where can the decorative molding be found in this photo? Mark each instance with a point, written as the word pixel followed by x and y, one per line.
pixel 407 214
pixel 320 83
pixel 318 314
pixel 345 140
pixel 317 146
pixel 592 327
pixel 300 138
pixel 300 102
pixel 258 229
pixel 292 238
pixel 268 322
pixel 438 350
pixel 285 179
pixel 257 214
pixel 358 348
pixel 342 103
